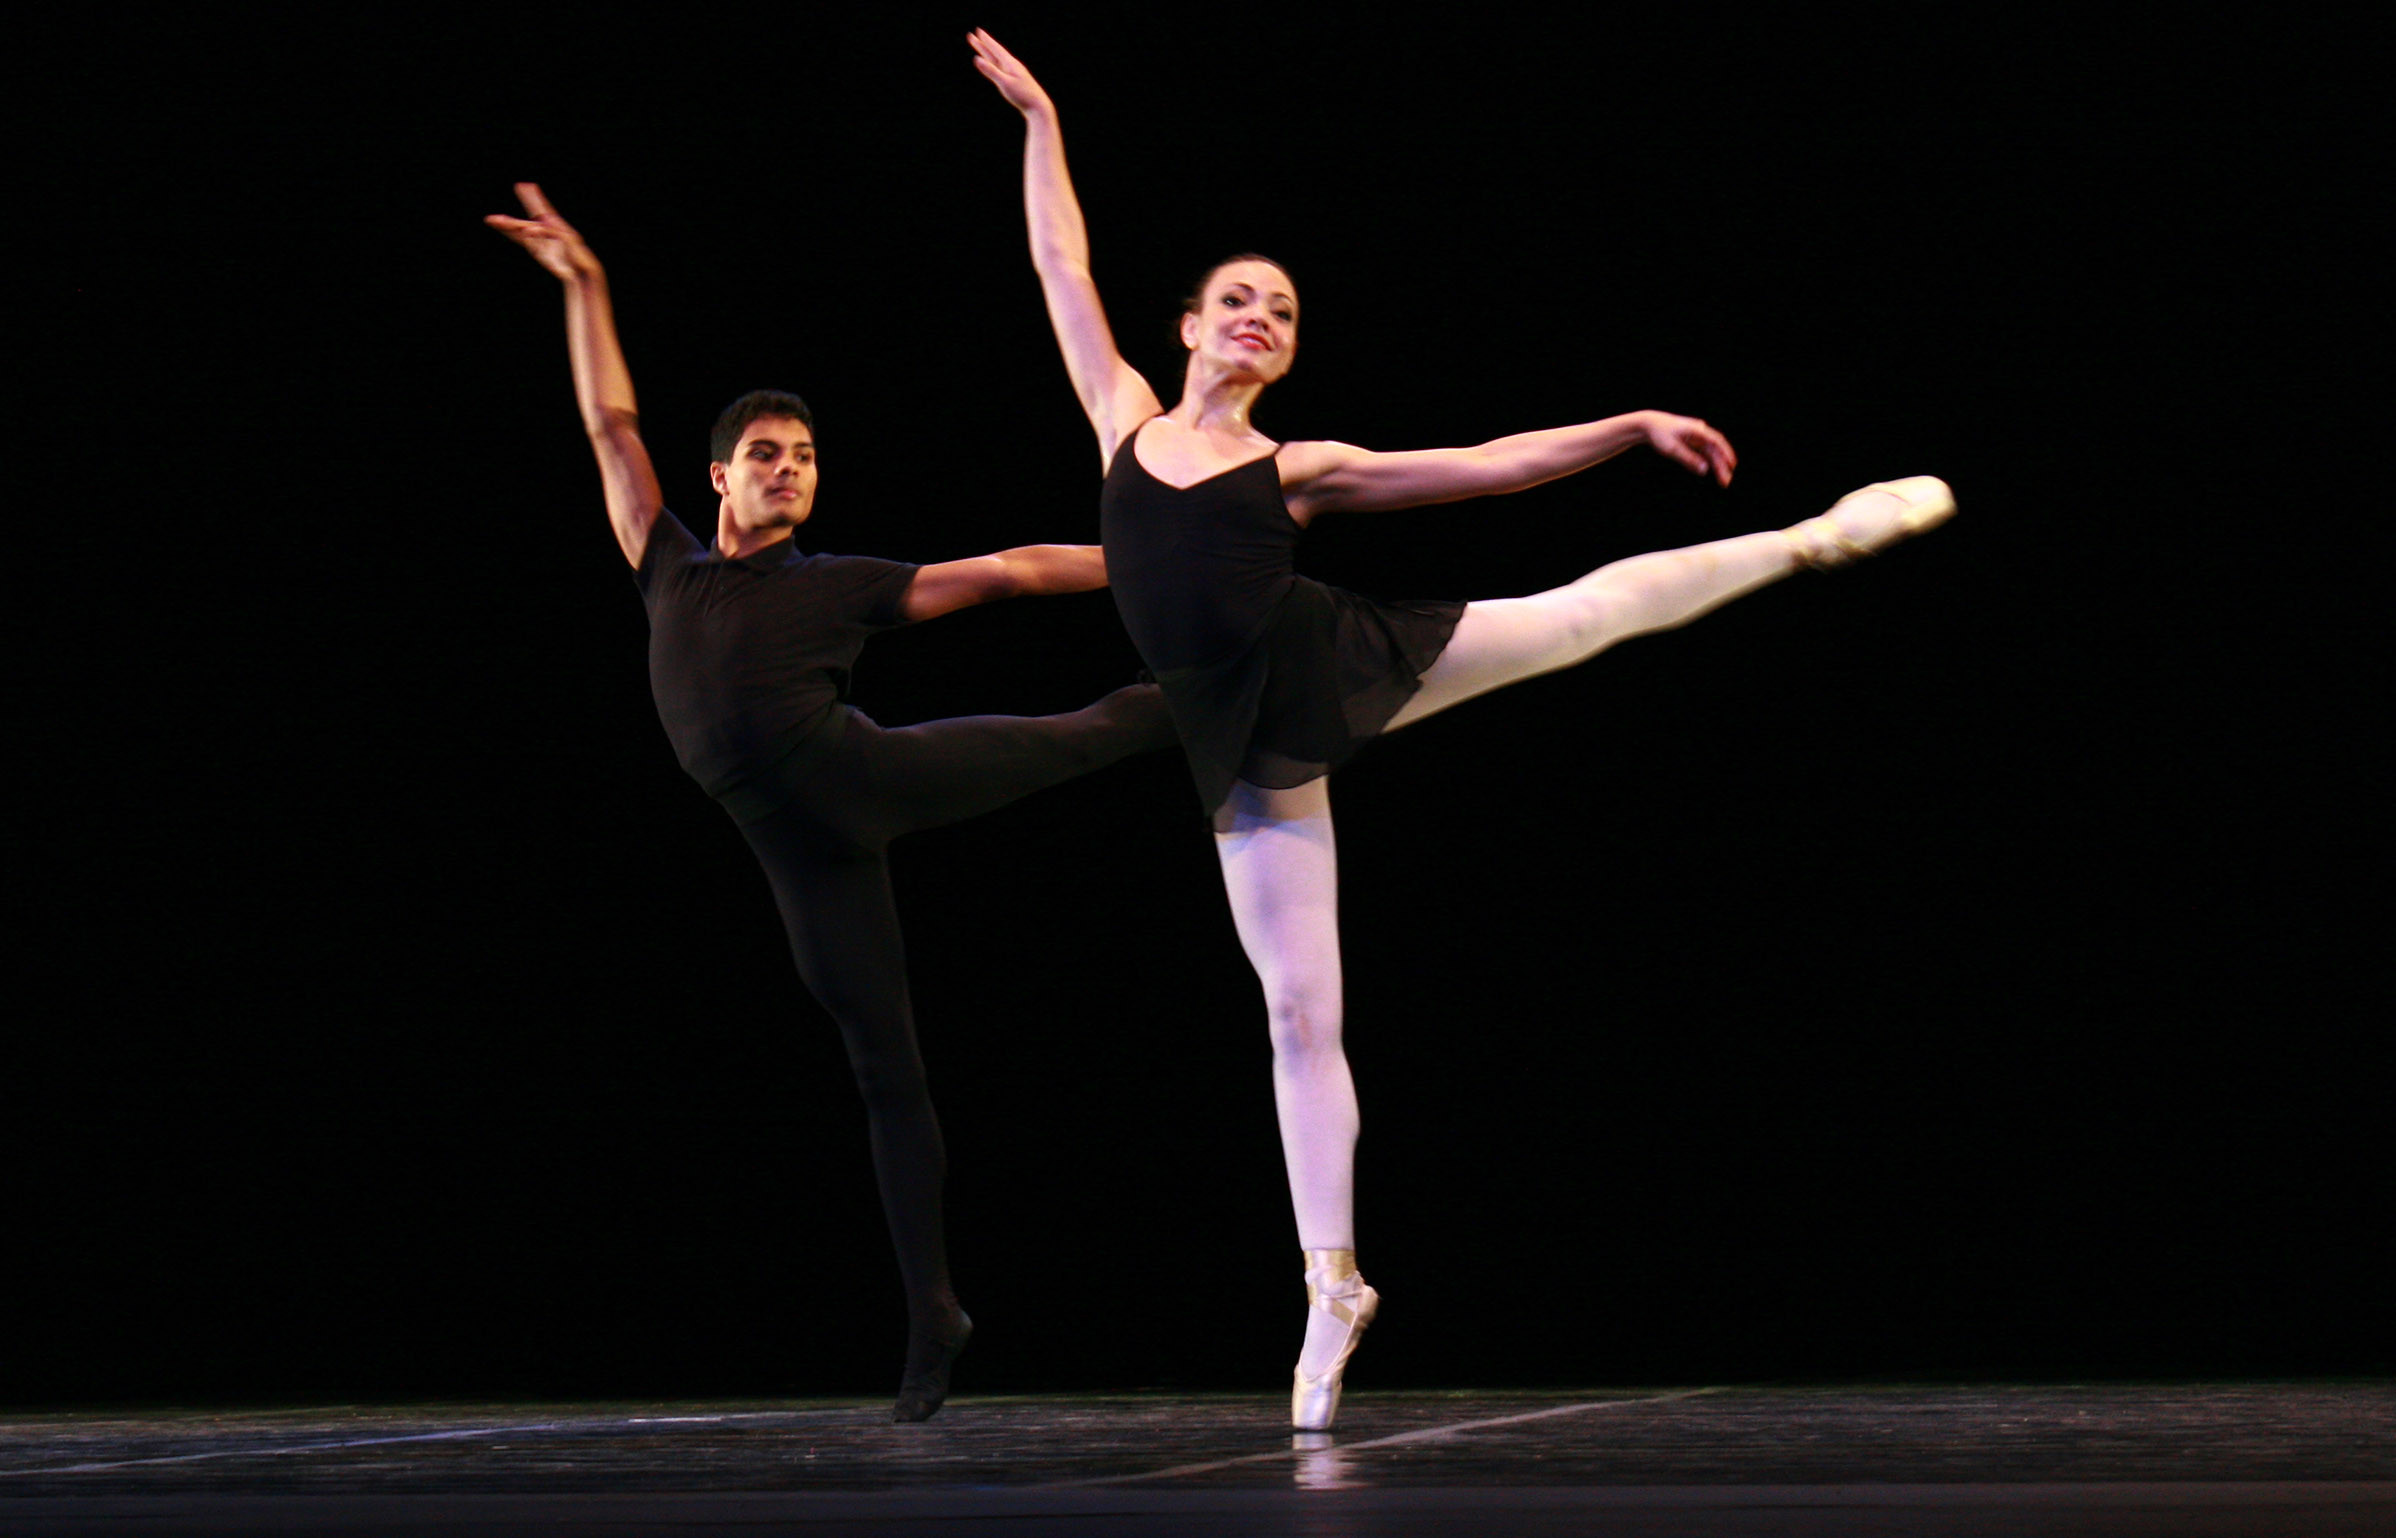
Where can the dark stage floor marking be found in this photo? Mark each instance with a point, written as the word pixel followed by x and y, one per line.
pixel 2297 1458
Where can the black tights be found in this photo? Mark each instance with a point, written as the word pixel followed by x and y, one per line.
pixel 823 851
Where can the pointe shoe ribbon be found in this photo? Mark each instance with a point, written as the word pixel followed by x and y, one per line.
pixel 1333 1286
pixel 1822 544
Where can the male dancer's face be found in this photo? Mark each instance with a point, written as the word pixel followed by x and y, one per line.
pixel 770 483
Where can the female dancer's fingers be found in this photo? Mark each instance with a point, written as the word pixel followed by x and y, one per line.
pixel 1718 457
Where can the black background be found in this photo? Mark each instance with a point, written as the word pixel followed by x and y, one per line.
pixel 1960 965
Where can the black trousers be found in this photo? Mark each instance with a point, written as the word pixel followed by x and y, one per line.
pixel 824 849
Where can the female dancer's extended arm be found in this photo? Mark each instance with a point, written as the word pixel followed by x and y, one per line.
pixel 1113 395
pixel 602 384
pixel 1339 477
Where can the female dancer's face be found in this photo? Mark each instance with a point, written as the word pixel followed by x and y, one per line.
pixel 1247 322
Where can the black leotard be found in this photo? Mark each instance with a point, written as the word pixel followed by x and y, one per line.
pixel 1273 678
pixel 748 659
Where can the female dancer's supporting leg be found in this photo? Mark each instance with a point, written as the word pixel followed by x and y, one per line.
pixel 1281 872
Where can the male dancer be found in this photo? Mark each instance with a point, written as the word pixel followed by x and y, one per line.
pixel 750 643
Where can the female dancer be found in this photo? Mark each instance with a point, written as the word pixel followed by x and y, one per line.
pixel 1275 680
pixel 750 644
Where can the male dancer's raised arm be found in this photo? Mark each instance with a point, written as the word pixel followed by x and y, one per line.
pixel 602 384
pixel 603 390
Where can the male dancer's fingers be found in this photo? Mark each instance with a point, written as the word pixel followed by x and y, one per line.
pixel 522 231
pixel 535 204
pixel 997 62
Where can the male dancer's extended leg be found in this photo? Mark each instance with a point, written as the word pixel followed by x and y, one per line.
pixel 836 907
pixel 939 772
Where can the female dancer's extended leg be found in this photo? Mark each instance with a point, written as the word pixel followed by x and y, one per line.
pixel 1505 640
pixel 1500 641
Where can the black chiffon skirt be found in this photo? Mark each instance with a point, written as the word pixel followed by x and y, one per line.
pixel 1319 681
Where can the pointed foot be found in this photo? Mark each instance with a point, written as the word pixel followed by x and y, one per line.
pixel 931 1353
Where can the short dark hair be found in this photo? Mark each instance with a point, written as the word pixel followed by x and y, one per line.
pixel 1196 298
pixel 738 416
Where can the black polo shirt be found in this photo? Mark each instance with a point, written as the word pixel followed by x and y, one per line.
pixel 750 657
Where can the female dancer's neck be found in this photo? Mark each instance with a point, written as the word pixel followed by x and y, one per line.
pixel 1214 400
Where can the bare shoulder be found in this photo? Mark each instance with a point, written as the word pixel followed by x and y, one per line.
pixel 1303 463
pixel 1310 475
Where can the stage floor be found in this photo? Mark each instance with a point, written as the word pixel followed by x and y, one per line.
pixel 2243 1458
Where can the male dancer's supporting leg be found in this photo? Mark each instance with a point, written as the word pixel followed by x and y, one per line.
pixel 824 857
pixel 837 910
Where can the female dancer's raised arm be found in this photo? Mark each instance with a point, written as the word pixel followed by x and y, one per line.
pixel 1113 395
pixel 1317 477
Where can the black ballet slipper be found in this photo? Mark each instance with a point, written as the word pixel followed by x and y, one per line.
pixel 930 1355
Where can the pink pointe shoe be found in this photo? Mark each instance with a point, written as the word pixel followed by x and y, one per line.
pixel 1333 1286
pixel 1824 542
